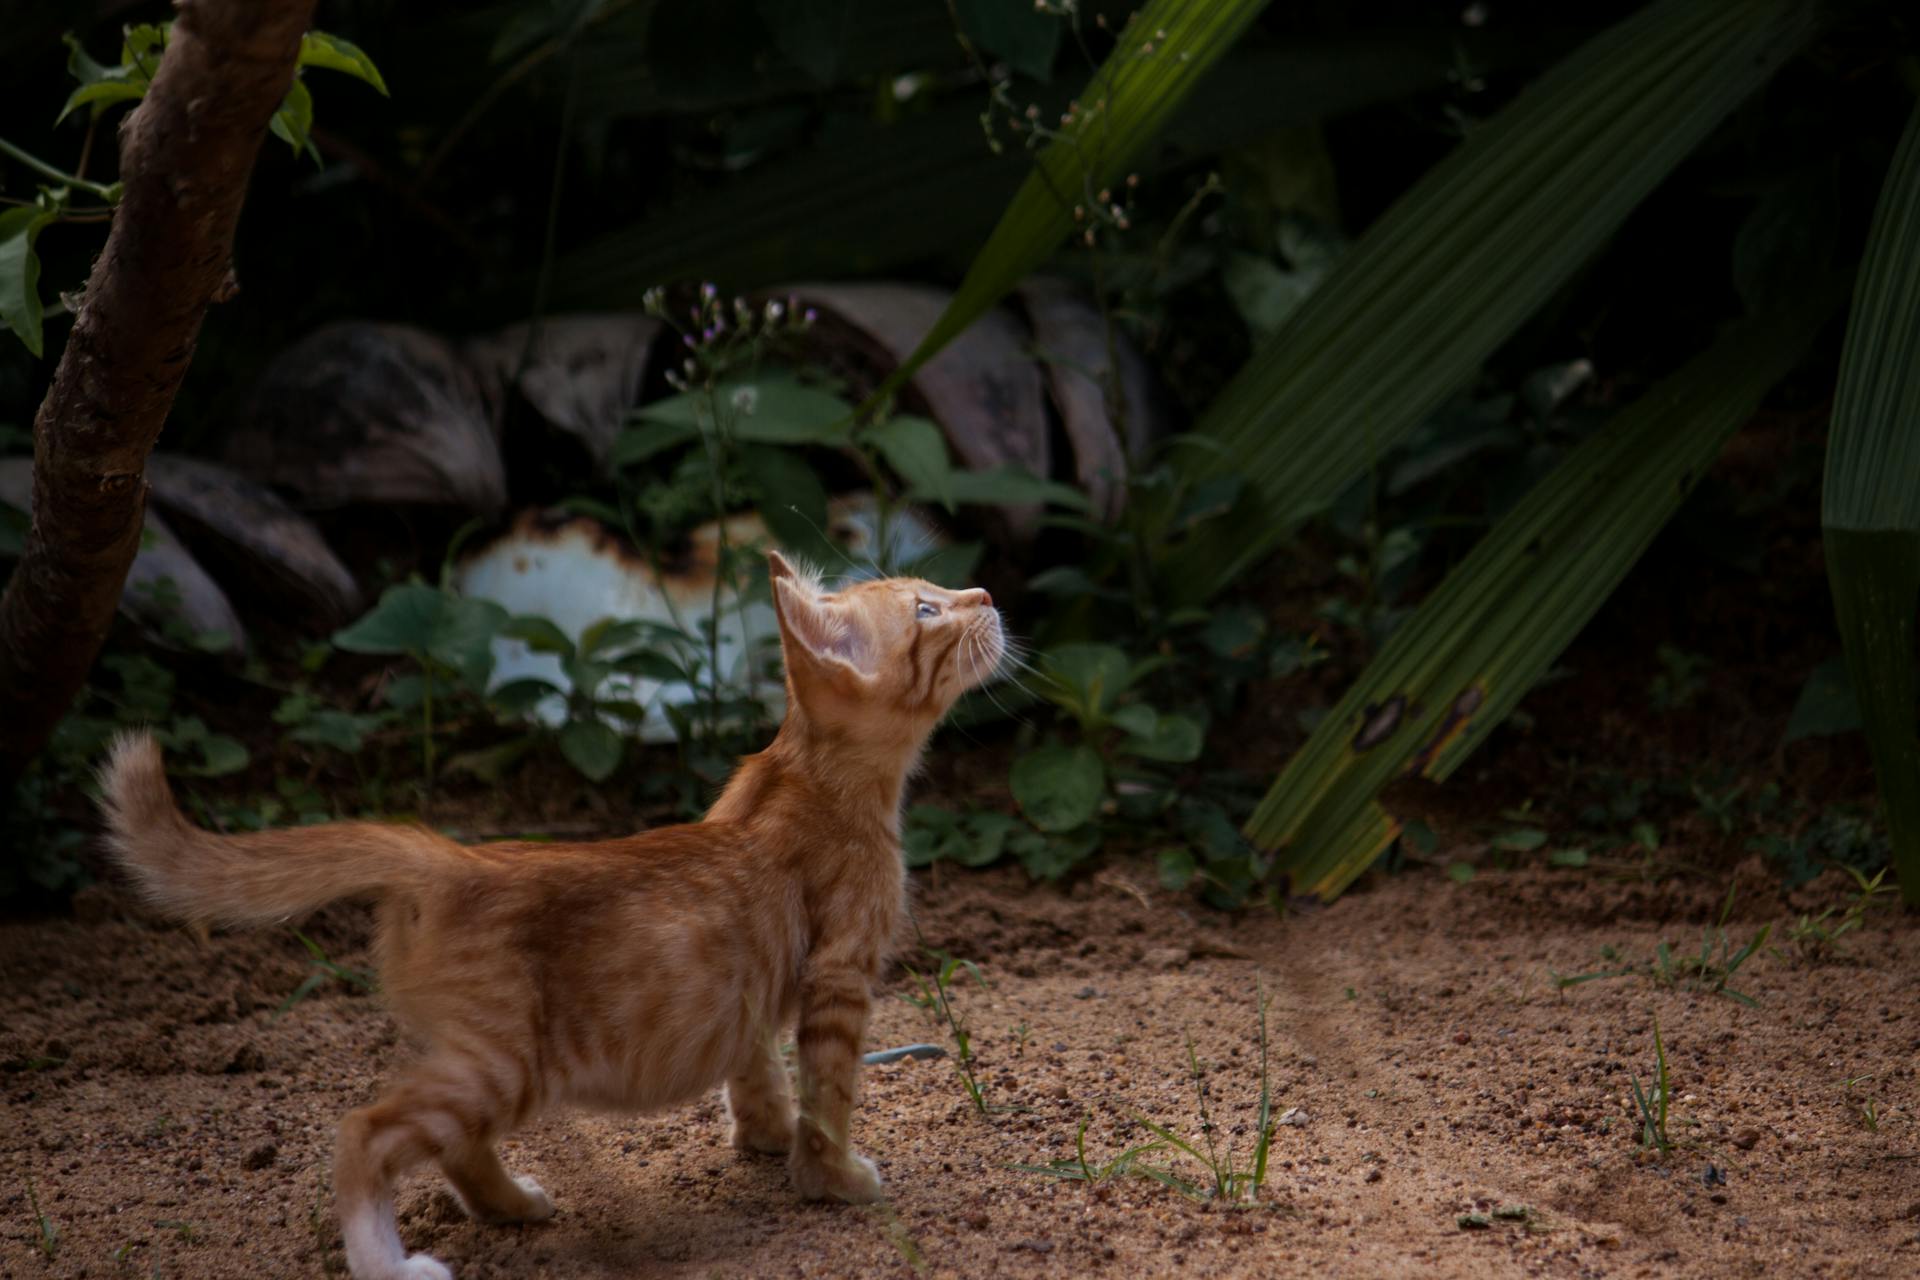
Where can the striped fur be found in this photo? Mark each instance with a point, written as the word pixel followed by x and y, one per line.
pixel 628 974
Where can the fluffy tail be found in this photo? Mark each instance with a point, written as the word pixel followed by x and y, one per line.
pixel 257 878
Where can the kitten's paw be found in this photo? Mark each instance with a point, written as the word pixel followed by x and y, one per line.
pixel 772 1138
pixel 423 1266
pixel 538 1206
pixel 852 1179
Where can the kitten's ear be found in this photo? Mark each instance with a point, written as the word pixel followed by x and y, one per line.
pixel 779 567
pixel 821 632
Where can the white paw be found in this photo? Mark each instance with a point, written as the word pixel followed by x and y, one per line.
pixel 539 1204
pixel 423 1267
pixel 853 1180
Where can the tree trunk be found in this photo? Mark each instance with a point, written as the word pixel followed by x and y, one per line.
pixel 185 155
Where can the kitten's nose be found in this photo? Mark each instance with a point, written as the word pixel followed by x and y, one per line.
pixel 979 597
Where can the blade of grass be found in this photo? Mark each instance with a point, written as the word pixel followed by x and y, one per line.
pixel 1496 623
pixel 1870 508
pixel 1459 263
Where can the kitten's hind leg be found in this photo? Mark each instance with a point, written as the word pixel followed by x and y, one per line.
pixel 488 1192
pixel 759 1101
pixel 425 1114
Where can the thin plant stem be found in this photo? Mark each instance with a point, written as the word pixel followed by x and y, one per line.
pixel 110 194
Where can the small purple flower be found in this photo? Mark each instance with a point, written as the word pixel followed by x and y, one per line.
pixel 709 292
pixel 810 315
pixel 688 339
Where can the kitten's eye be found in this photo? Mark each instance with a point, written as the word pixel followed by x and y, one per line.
pixel 925 610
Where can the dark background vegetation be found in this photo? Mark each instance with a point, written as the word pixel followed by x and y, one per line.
pixel 666 144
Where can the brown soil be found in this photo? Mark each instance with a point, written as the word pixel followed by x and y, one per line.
pixel 168 1126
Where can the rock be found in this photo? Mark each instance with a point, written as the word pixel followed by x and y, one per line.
pixel 1167 958
pixel 1747 1139
pixel 261 1157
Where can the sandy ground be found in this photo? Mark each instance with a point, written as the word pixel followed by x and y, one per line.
pixel 167 1127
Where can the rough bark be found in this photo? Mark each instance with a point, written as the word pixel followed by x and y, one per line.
pixel 186 153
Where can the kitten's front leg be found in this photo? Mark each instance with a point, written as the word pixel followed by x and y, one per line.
pixel 833 1015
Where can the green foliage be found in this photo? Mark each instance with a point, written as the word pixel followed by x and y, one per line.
pixel 1652 1101
pixel 1492 629
pixel 1229 1179
pixel 933 994
pixel 1869 509
pixel 102 87
pixel 1161 54
pixel 1461 261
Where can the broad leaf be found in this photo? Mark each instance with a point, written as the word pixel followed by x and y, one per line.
pixel 424 621
pixel 20 274
pixel 1871 504
pixel 1494 626
pixel 917 452
pixel 1411 311
pixel 591 747
pixel 318 49
pixel 1059 787
pixel 1086 679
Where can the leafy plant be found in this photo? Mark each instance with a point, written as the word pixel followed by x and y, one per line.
pixel 590 700
pixel 1820 935
pixel 933 994
pixel 1229 1180
pixel 102 87
pixel 1493 627
pixel 1652 1102
pixel 448 638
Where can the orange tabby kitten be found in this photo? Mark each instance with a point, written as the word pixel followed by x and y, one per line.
pixel 628 973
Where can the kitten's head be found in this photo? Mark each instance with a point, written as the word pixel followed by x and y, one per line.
pixel 890 653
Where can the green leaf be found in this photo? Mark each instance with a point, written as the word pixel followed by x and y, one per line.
pixel 518 697
pixel 591 747
pixel 775 408
pixel 1494 626
pixel 1086 680
pixel 1409 314
pixel 1050 857
pixel 1017 32
pixel 419 620
pixel 342 730
pixel 1011 485
pixel 1161 54
pixel 1176 868
pixel 636 444
pixel 293 121
pixel 1059 787
pixel 1567 858
pixel 811 34
pixel 539 635
pixel 791 499
pixel 20 275
pixel 1870 507
pixel 1175 739
pixel 318 49
pixel 1522 840
pixel 1826 704
pixel 103 94
pixel 916 449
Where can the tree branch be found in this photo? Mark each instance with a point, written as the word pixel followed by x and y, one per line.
pixel 186 153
